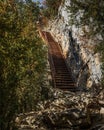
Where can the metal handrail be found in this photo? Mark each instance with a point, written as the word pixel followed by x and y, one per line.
pixel 53 71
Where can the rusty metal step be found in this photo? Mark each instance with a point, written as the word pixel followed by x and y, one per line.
pixel 62 75
pixel 64 81
pixel 65 84
pixel 63 78
pixel 66 87
pixel 58 71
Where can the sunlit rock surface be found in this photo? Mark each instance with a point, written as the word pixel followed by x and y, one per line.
pixel 77 48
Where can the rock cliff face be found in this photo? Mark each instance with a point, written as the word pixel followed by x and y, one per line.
pixel 77 48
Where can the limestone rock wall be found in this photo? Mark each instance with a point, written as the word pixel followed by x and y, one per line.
pixel 77 48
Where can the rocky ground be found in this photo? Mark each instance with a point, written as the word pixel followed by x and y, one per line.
pixel 66 111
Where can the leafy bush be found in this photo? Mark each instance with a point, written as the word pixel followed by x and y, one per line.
pixel 22 60
pixel 51 7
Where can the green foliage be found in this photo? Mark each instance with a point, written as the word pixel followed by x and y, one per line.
pixel 89 13
pixel 51 9
pixel 22 60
